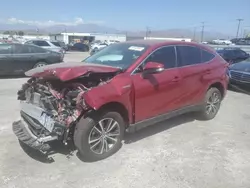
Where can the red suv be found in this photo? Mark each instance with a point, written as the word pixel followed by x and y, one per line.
pixel 125 86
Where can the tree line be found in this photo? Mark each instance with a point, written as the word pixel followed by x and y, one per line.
pixel 20 33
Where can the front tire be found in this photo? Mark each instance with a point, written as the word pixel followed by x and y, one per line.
pixel 211 104
pixel 99 136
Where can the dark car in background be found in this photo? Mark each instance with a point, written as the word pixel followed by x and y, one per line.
pixel 15 59
pixel 239 74
pixel 61 44
pixel 232 54
pixel 241 41
pixel 79 47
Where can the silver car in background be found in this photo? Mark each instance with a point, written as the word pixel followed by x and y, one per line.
pixel 46 45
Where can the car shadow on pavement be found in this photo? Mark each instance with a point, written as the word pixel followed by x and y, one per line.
pixel 69 150
pixel 158 127
pixel 12 77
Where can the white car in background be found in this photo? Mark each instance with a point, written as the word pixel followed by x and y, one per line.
pixel 97 46
pixel 222 41
pixel 45 44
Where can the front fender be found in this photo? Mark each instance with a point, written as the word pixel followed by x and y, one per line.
pixel 119 90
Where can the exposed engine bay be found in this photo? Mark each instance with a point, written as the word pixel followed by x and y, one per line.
pixel 55 106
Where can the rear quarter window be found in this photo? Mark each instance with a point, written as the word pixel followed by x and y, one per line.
pixel 188 55
pixel 206 56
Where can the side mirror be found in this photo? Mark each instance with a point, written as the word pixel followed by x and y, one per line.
pixel 153 68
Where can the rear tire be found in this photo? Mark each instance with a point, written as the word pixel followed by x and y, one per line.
pixel 40 64
pixel 96 139
pixel 211 104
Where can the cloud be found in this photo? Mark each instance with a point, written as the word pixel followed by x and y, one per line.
pixel 76 21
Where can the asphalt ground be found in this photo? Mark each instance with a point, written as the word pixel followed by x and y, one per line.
pixel 179 153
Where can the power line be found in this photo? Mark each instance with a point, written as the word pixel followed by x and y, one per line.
pixel 239 21
pixel 202 31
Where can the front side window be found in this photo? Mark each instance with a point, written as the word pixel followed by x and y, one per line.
pixel 188 55
pixel 120 55
pixel 165 56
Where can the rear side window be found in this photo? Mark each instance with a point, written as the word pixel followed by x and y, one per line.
pixel 188 55
pixel 41 43
pixel 206 56
pixel 36 49
pixel 56 44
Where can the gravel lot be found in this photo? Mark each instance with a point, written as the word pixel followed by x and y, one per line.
pixel 181 152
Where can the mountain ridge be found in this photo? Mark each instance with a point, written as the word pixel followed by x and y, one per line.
pixel 95 28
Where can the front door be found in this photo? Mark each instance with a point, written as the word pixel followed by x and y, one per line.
pixel 158 93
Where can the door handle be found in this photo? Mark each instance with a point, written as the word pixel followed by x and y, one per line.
pixel 208 71
pixel 176 79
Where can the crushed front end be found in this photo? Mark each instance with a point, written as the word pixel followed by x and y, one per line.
pixel 49 111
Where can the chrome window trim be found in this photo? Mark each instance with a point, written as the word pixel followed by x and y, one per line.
pixel 176 57
pixel 176 60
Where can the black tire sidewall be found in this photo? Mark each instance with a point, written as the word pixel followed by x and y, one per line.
pixel 82 132
pixel 209 93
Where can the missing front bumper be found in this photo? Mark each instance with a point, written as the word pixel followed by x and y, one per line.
pixel 23 133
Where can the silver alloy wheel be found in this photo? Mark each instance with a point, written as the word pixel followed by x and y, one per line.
pixel 104 135
pixel 213 103
pixel 41 64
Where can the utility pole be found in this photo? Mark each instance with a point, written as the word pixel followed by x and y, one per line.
pixel 194 33
pixel 202 31
pixel 239 21
pixel 147 32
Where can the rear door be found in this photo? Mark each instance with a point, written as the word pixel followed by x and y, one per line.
pixel 193 64
pixel 5 59
pixel 23 58
pixel 158 93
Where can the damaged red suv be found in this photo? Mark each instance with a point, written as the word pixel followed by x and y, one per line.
pixel 125 86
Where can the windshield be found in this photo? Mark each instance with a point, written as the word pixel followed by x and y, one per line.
pixel 120 55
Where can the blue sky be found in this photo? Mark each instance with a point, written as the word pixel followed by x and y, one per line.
pixel 219 15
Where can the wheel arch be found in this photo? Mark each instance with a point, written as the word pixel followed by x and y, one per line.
pixel 219 86
pixel 118 107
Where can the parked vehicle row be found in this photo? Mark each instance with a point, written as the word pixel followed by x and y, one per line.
pixel 235 41
pixel 233 55
pixel 125 86
pixel 46 45
pixel 239 74
pixel 16 59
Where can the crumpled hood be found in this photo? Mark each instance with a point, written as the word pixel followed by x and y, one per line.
pixel 69 71
pixel 241 66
